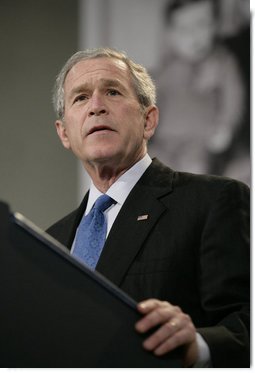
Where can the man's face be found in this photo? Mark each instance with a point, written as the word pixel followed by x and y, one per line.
pixel 103 120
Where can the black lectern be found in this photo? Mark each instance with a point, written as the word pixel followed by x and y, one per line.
pixel 55 312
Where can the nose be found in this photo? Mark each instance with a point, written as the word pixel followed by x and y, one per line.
pixel 97 105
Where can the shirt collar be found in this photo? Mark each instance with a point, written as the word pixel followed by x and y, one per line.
pixel 123 186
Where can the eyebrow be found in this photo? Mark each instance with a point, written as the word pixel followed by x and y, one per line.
pixel 114 83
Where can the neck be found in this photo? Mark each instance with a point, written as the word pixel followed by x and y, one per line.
pixel 104 175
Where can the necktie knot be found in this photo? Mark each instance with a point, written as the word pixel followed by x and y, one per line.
pixel 103 202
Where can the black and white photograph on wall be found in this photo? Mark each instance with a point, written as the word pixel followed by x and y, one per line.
pixel 203 88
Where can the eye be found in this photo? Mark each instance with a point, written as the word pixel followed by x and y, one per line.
pixel 81 97
pixel 113 92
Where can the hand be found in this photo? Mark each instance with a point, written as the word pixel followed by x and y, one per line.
pixel 177 329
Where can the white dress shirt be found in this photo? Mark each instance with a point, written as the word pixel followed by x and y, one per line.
pixel 119 191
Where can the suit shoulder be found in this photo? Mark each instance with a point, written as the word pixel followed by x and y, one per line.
pixel 189 181
pixel 206 190
pixel 59 227
pixel 207 181
pixel 160 175
pixel 64 228
pixel 62 221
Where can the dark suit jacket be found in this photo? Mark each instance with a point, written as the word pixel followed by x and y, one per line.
pixel 193 251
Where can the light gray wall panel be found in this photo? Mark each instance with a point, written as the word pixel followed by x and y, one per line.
pixel 38 177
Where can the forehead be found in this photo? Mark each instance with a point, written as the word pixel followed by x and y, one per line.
pixel 193 13
pixel 95 69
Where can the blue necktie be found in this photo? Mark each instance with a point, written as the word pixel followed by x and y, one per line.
pixel 92 231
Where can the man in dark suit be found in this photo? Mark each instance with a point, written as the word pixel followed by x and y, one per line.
pixel 178 240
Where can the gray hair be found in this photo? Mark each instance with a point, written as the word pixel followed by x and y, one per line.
pixel 142 82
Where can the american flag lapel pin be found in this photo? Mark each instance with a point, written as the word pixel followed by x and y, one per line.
pixel 142 217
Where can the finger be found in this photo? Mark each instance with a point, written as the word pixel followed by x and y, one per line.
pixel 167 330
pixel 149 304
pixel 182 337
pixel 155 317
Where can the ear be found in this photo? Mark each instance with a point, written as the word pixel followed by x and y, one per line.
pixel 62 133
pixel 151 121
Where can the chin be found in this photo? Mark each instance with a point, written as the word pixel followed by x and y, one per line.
pixel 104 156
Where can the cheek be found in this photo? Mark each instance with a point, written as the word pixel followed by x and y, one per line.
pixel 136 134
pixel 74 138
pixel 74 125
pixel 134 121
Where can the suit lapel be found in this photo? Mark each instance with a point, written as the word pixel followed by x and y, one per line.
pixel 67 232
pixel 139 214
